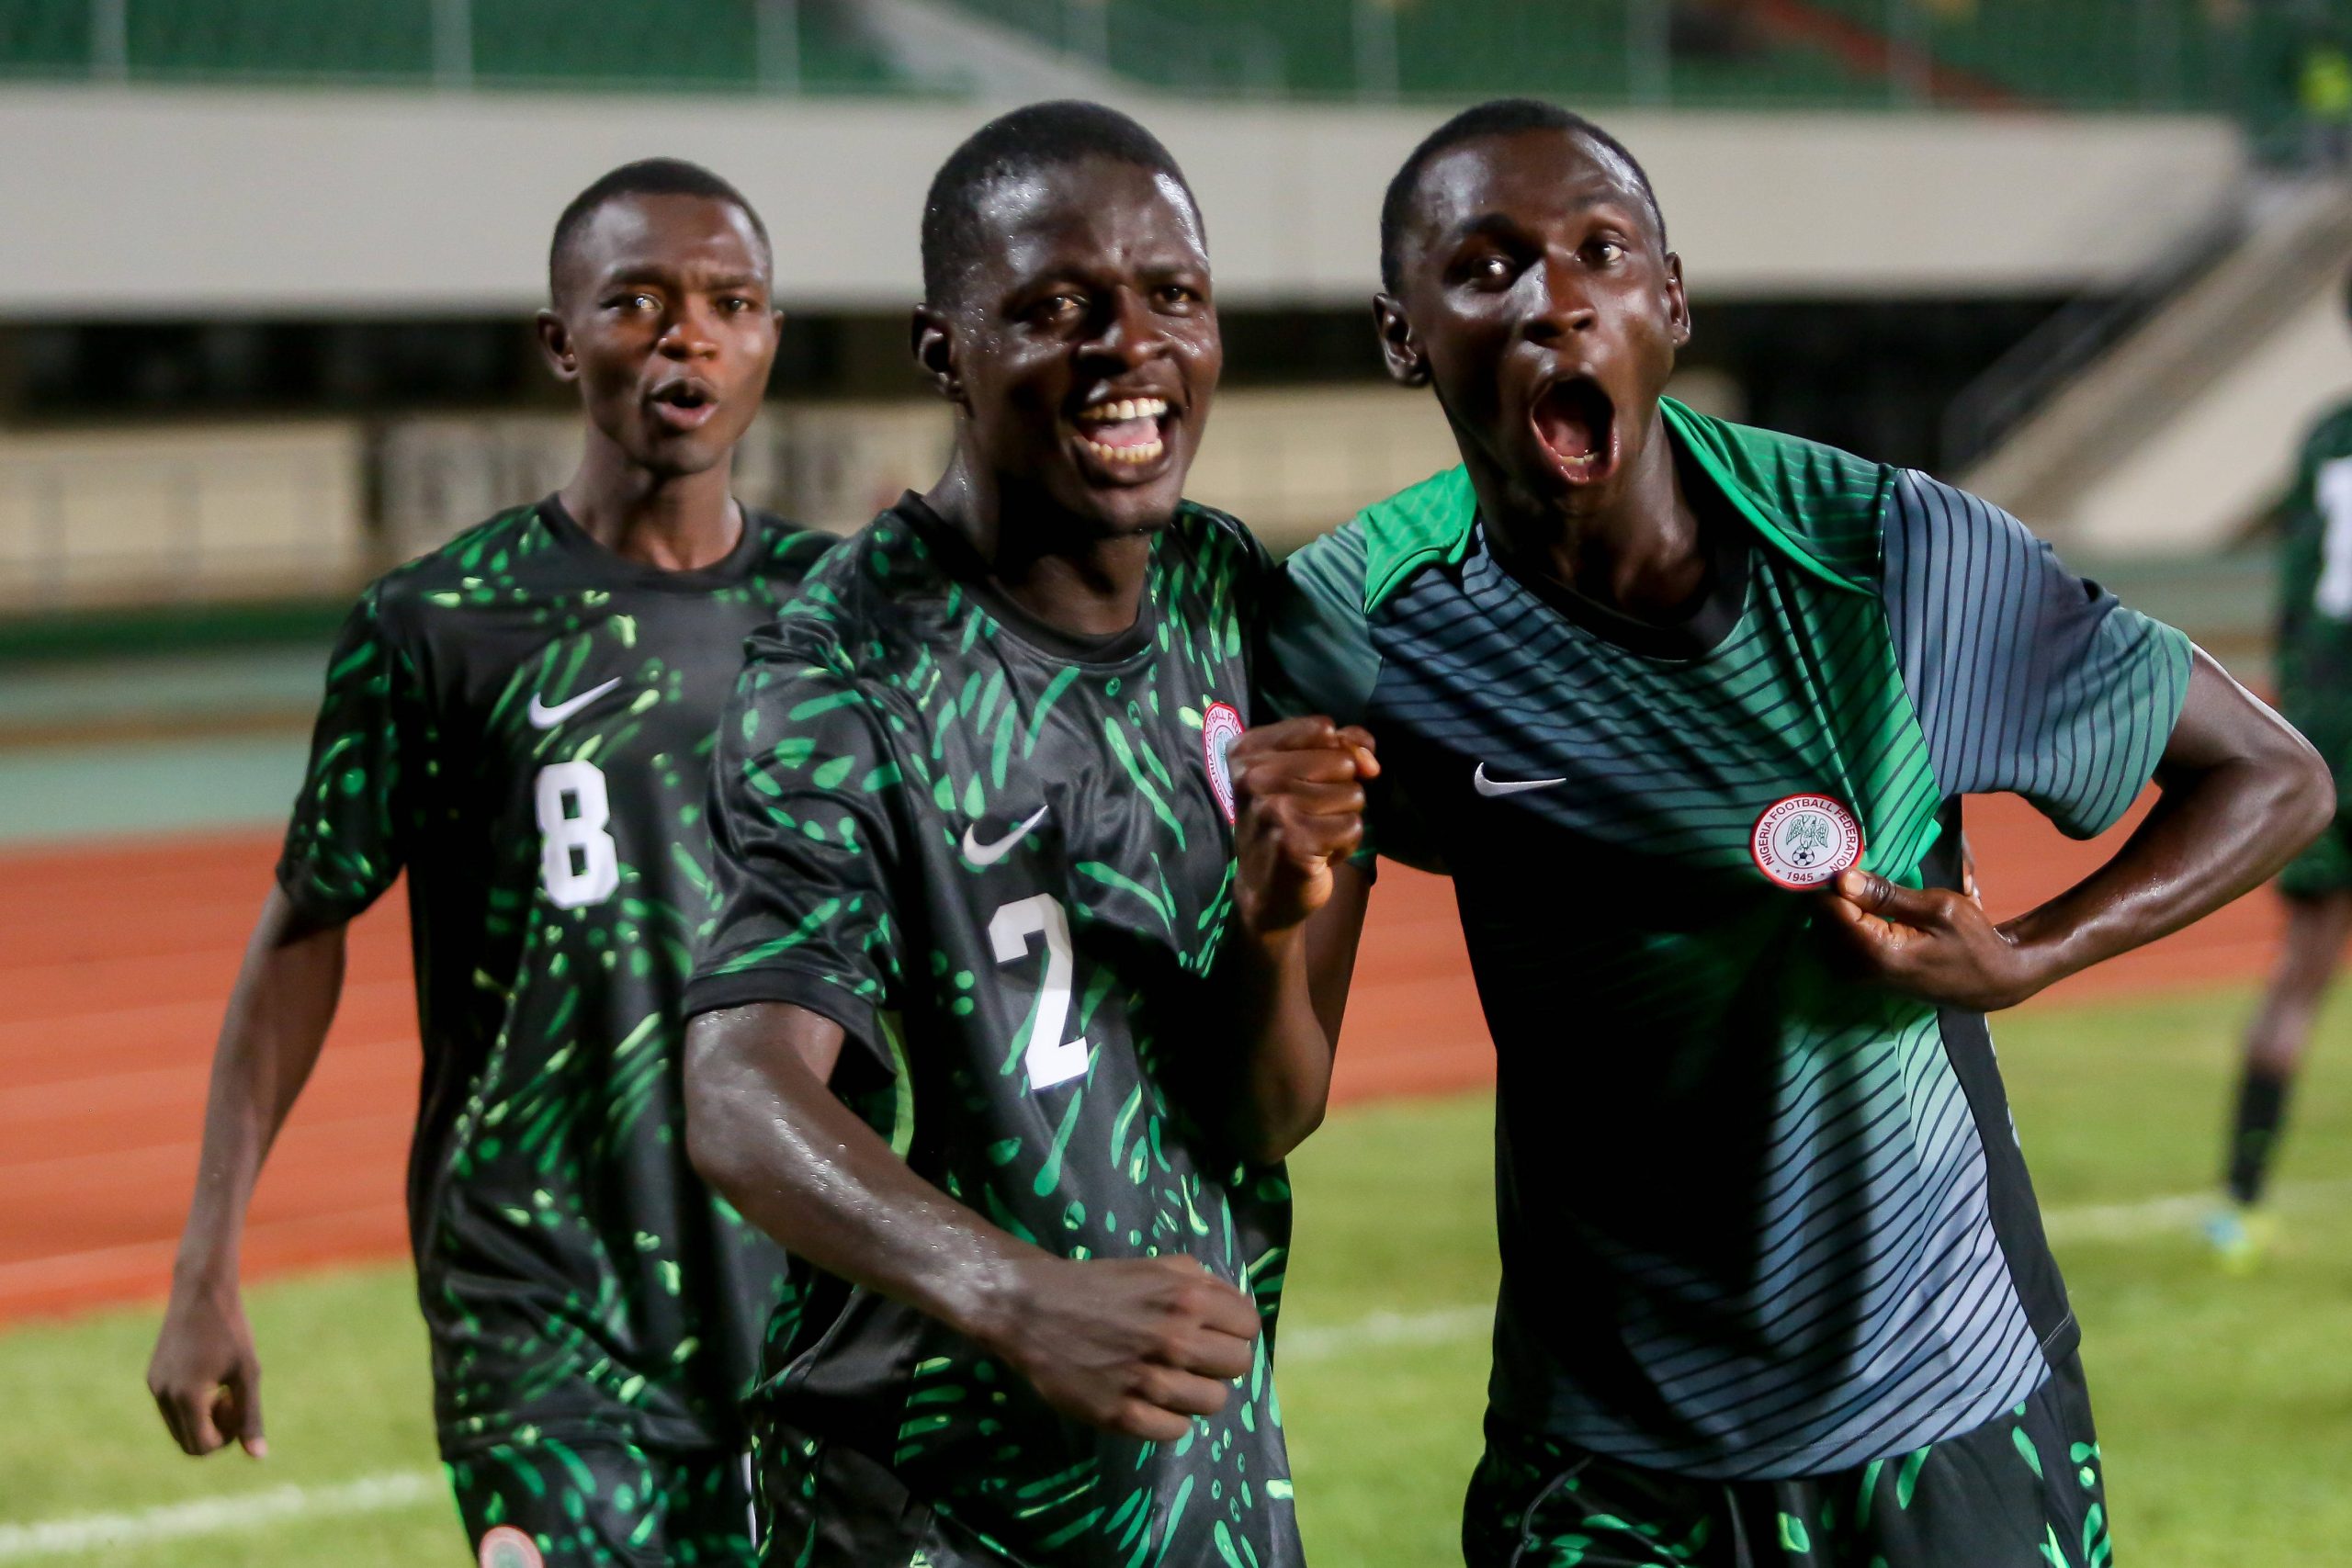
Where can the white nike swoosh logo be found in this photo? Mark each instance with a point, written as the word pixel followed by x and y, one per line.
pixel 1501 786
pixel 544 717
pixel 979 854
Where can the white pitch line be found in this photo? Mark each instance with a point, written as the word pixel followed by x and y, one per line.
pixel 2181 1211
pixel 1309 1342
pixel 228 1514
pixel 1317 1342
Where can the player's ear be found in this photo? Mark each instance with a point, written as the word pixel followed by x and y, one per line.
pixel 1399 349
pixel 1678 304
pixel 555 346
pixel 934 348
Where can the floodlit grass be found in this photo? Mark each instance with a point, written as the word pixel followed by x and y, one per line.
pixel 2225 1406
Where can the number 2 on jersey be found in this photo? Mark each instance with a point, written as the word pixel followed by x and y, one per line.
pixel 2332 597
pixel 1048 1058
pixel 579 864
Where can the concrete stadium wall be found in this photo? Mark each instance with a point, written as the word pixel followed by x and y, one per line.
pixel 135 202
pixel 189 512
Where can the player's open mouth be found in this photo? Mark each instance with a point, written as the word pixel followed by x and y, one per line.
pixel 1577 425
pixel 685 405
pixel 1123 433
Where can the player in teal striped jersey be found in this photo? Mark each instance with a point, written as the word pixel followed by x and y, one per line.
pixel 2315 693
pixel 1685 710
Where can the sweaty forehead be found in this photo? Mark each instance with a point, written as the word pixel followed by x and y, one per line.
pixel 1093 213
pixel 1533 177
pixel 632 235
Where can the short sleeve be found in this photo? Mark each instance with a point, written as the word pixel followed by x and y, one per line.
pixel 346 841
pixel 808 827
pixel 1317 651
pixel 1318 657
pixel 2026 678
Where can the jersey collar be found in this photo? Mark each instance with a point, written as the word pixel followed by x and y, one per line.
pixel 1432 523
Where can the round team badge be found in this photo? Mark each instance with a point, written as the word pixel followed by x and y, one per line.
pixel 1220 727
pixel 1804 840
pixel 503 1546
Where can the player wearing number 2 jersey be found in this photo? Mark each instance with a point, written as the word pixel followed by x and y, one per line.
pixel 523 722
pixel 976 834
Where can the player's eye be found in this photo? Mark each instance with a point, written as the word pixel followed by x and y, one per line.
pixel 736 304
pixel 635 301
pixel 1486 270
pixel 1175 296
pixel 1606 253
pixel 1057 308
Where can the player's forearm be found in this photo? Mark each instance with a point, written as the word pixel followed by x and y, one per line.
pixel 270 1038
pixel 768 1134
pixel 2241 792
pixel 1290 990
pixel 1277 1091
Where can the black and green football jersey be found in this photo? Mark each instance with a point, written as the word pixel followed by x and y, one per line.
pixel 2315 591
pixel 524 721
pixel 2314 654
pixel 1001 859
pixel 1757 1221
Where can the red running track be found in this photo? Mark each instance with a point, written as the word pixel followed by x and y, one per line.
pixel 115 959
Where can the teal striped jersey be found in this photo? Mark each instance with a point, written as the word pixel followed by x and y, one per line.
pixel 1757 1221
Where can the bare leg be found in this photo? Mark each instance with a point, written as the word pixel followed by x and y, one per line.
pixel 2316 930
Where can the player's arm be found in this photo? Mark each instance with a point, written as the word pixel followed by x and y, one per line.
pixel 2241 793
pixel 342 850
pixel 1298 912
pixel 204 1374
pixel 2027 679
pixel 1138 1345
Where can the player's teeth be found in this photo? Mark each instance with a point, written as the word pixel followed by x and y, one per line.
pixel 1120 410
pixel 1145 452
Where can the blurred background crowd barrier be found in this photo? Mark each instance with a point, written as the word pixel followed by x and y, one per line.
pixel 265 302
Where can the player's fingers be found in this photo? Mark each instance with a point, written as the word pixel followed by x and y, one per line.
pixel 1280 773
pixel 167 1406
pixel 1215 1354
pixel 1140 1419
pixel 241 1406
pixel 1357 738
pixel 1187 1393
pixel 1222 1308
pixel 1318 797
pixel 1311 843
pixel 1875 895
pixel 1864 934
pixel 203 1433
pixel 1310 734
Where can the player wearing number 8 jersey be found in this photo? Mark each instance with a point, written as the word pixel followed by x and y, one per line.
pixel 976 832
pixel 522 721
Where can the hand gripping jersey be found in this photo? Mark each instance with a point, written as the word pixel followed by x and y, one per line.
pixel 1001 859
pixel 1755 1222
pixel 524 720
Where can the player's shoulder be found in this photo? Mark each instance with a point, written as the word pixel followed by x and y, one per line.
pixel 1368 560
pixel 1219 540
pixel 861 608
pixel 2330 435
pixel 1824 505
pixel 466 568
pixel 785 551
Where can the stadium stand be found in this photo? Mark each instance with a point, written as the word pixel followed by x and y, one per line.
pixel 2168 55
pixel 733 45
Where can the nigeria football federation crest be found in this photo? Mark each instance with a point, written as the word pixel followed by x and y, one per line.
pixel 1804 840
pixel 1220 727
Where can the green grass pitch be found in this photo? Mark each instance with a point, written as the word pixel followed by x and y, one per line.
pixel 2225 1406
